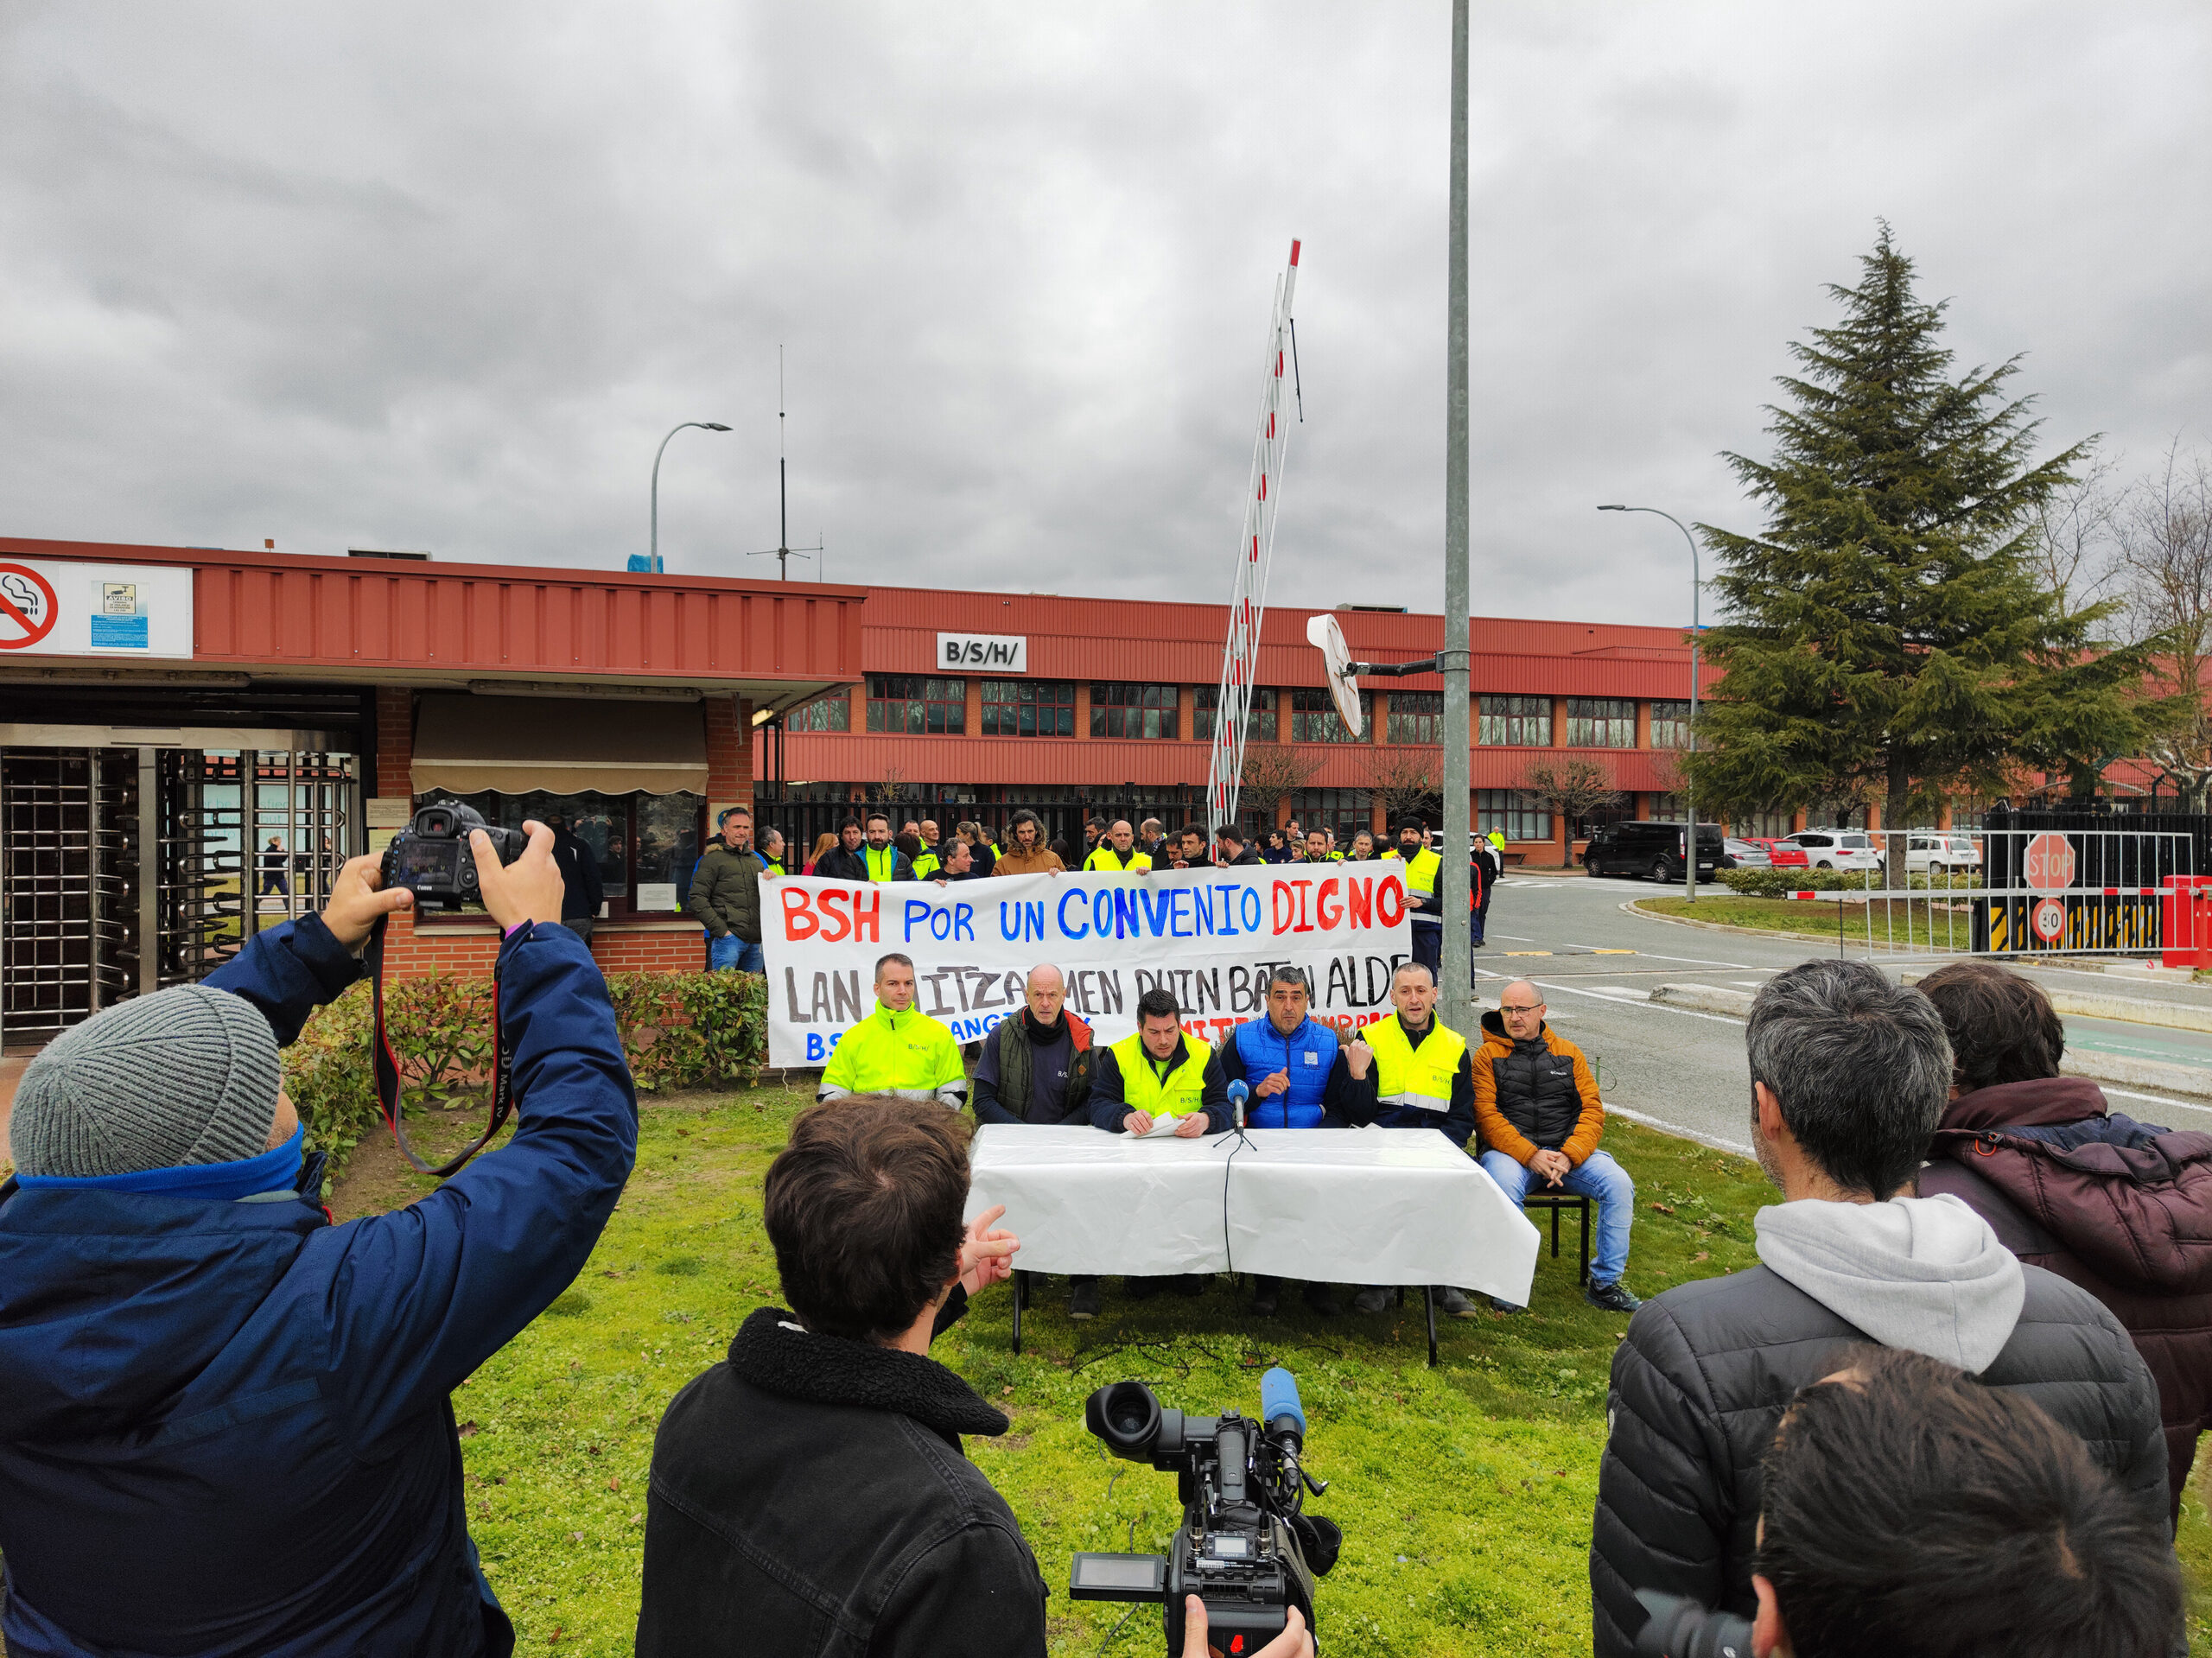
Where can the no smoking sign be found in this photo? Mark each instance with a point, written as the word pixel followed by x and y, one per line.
pixel 27 607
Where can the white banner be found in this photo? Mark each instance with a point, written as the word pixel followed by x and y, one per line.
pixel 1212 936
pixel 51 606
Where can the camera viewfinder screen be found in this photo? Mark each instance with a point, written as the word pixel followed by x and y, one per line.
pixel 413 860
pixel 1119 1571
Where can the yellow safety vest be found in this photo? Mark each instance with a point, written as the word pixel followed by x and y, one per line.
pixel 1417 1078
pixel 908 1054
pixel 925 866
pixel 881 865
pixel 1141 1089
pixel 1107 858
pixel 1421 870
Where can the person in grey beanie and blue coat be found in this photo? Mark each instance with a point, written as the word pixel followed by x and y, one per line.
pixel 224 1422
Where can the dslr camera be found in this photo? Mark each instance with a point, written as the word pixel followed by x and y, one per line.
pixel 1244 1548
pixel 432 859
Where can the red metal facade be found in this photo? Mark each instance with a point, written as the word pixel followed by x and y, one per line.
pixel 384 619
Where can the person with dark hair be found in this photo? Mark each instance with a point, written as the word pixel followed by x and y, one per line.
pixel 1907 1510
pixel 225 1423
pixel 898 1049
pixel 2101 1199
pixel 847 860
pixel 1299 1078
pixel 1025 852
pixel 813 1480
pixel 725 896
pixel 1159 1075
pixel 582 892
pixel 1849 1075
pixel 1190 847
pixel 1538 1111
pixel 1234 855
pixel 884 860
pixel 959 863
pixel 1277 850
pixel 1424 870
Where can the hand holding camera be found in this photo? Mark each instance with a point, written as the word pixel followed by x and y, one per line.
pixel 528 889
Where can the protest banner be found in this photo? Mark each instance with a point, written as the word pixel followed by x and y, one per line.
pixel 1210 937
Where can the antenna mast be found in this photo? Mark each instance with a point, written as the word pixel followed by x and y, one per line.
pixel 782 552
pixel 1247 600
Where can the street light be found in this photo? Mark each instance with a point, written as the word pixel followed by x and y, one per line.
pixel 704 426
pixel 1689 791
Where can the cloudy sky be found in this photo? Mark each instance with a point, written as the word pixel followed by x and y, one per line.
pixel 432 277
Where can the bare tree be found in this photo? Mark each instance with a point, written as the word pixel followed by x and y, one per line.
pixel 2074 547
pixel 2164 530
pixel 1403 778
pixel 1569 787
pixel 1274 772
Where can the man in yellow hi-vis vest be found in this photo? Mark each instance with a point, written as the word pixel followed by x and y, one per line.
pixel 898 1049
pixel 1423 868
pixel 1410 1070
pixel 1117 849
pixel 1159 1074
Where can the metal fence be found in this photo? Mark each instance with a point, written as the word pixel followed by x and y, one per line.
pixel 2012 891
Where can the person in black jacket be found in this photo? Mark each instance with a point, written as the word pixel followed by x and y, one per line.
pixel 1849 1075
pixel 582 893
pixel 845 860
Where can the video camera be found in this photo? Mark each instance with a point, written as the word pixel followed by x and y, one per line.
pixel 1245 1548
pixel 1679 1627
pixel 431 857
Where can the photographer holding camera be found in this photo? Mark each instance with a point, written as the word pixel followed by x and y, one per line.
pixel 809 1493
pixel 224 1422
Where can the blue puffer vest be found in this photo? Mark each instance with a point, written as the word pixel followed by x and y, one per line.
pixel 1307 1054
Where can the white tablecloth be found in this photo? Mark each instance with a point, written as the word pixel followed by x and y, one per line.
pixel 1344 1206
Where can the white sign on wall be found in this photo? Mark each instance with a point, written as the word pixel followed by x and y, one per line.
pixel 60 608
pixel 1006 653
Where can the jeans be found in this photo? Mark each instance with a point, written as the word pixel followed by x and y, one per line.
pixel 1599 1179
pixel 730 953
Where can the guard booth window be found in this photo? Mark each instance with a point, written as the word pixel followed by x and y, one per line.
pixel 647 845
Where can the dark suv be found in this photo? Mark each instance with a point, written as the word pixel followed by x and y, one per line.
pixel 1653 849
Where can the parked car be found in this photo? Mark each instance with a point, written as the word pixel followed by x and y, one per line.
pixel 1781 855
pixel 1939 852
pixel 1744 854
pixel 1840 848
pixel 1653 849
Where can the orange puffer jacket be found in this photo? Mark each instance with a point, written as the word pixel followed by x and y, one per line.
pixel 1537 1096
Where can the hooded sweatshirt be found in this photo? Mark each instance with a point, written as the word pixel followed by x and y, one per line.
pixel 1924 1274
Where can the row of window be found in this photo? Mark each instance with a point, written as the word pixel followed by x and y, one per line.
pixel 921 705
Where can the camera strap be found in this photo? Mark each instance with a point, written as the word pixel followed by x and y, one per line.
pixel 387 1070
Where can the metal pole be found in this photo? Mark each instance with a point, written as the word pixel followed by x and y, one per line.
pixel 1689 790
pixel 704 426
pixel 1455 1007
pixel 149 872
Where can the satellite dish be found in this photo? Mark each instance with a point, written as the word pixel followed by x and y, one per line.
pixel 1324 636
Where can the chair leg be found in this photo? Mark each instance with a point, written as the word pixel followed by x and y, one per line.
pixel 1554 1208
pixel 1586 1242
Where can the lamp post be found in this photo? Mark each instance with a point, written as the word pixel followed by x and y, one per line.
pixel 653 558
pixel 1689 791
pixel 1455 1008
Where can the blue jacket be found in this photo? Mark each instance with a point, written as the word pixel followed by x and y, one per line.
pixel 224 1427
pixel 1320 1082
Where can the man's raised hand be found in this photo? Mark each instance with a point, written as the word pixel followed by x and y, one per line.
pixel 359 900
pixel 529 889
pixel 986 1257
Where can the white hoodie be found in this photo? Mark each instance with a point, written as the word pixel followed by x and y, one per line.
pixel 1923 1273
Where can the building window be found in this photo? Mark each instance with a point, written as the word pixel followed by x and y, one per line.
pixel 1416 716
pixel 646 845
pixel 1768 825
pixel 1259 716
pixel 1509 812
pixel 909 705
pixel 1345 810
pixel 1670 725
pixel 1147 711
pixel 1515 722
pixel 1313 718
pixel 1029 707
pixel 1600 723
pixel 830 713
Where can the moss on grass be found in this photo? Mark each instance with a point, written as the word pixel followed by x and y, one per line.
pixel 1465 1492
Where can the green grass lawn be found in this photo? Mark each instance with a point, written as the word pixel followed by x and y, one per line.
pixel 1465 1491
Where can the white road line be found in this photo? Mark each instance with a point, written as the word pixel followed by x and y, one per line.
pixel 1695 961
pixel 1661 1123
pixel 2154 1099
pixel 1624 1001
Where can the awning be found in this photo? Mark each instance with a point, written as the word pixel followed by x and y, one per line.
pixel 565 745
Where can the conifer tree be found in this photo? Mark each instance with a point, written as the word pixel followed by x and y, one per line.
pixel 1887 636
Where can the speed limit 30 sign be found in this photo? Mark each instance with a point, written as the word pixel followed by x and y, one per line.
pixel 2049 920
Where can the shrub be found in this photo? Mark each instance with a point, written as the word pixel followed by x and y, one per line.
pixel 1773 883
pixel 678 1030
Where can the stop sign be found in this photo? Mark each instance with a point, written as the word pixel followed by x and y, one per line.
pixel 2048 864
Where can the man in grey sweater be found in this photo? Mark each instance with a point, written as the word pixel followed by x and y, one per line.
pixel 1849 1075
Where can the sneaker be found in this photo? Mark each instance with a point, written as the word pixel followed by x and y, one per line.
pixel 1374 1298
pixel 1454 1303
pixel 1190 1284
pixel 1322 1299
pixel 1612 1298
pixel 1499 1304
pixel 1083 1297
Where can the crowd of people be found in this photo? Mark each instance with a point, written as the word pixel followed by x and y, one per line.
pixel 1948 1413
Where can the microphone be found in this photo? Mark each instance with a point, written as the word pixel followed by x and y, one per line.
pixel 1279 1406
pixel 1238 1093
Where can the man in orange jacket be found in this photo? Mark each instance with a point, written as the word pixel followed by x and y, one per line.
pixel 1538 1118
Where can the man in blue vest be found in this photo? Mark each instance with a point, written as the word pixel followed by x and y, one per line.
pixel 1299 1079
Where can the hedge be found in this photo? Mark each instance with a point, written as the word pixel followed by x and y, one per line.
pixel 679 1030
pixel 1773 883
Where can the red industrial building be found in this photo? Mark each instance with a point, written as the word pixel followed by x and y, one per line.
pixel 192 739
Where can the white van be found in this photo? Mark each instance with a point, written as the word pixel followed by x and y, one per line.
pixel 1839 848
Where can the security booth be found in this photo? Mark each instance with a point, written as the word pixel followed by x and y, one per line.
pixel 193 742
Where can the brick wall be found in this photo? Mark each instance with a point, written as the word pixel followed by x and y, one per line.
pixel 395 740
pixel 467 949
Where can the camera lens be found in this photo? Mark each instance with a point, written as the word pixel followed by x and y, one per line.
pixel 1129 1416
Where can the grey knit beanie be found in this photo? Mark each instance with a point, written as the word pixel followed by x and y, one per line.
pixel 188 1075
